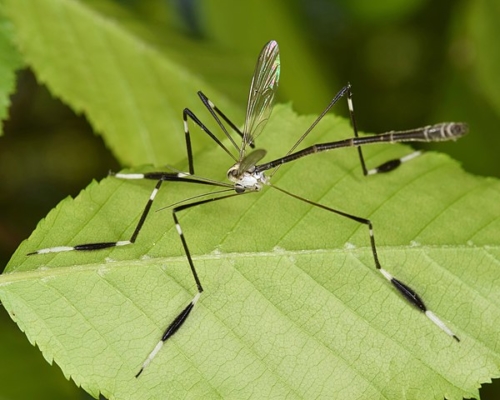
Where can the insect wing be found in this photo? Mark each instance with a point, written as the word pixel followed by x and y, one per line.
pixel 251 160
pixel 262 90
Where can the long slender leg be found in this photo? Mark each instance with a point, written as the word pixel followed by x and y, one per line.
pixel 160 177
pixel 216 113
pixel 181 318
pixel 384 167
pixel 214 110
pixel 188 113
pixel 346 90
pixel 334 101
pixel 408 293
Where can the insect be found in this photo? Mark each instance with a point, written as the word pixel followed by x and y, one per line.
pixel 248 175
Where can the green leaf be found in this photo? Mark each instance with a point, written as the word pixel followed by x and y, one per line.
pixel 102 63
pixel 10 61
pixel 293 305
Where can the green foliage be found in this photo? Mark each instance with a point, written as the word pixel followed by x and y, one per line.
pixel 118 80
pixel 293 305
pixel 289 309
pixel 10 61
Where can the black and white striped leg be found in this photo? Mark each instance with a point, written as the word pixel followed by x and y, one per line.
pixel 408 293
pixel 392 164
pixel 183 315
pixel 160 177
pixel 417 301
pixel 216 113
pixel 172 328
pixel 188 113
pixel 384 167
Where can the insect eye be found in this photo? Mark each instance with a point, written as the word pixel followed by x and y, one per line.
pixel 232 173
pixel 239 188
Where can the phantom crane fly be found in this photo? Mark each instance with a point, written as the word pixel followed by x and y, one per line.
pixel 246 175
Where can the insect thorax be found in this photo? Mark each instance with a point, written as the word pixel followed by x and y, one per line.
pixel 246 180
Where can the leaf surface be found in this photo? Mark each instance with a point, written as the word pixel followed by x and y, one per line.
pixel 10 61
pixel 98 60
pixel 293 305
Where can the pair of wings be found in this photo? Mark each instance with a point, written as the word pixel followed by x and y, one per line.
pixel 262 91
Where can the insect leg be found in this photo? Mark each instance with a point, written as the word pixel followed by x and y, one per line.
pixel 384 167
pixel 160 177
pixel 408 293
pixel 216 113
pixel 183 315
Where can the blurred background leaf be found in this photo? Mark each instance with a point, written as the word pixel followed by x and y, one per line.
pixel 411 63
pixel 10 61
